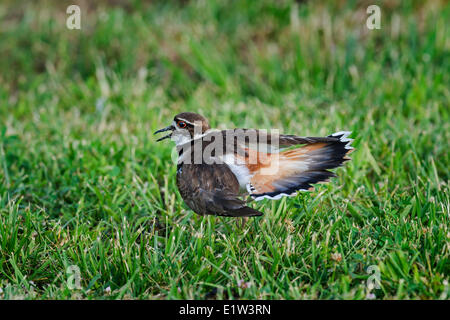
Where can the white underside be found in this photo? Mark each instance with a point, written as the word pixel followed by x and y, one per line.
pixel 239 170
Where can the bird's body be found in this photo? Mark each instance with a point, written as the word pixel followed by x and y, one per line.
pixel 217 167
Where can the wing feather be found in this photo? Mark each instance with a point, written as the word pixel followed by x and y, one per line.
pixel 292 170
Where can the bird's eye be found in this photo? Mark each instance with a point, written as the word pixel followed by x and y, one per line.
pixel 182 124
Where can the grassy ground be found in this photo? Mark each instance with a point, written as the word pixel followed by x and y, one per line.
pixel 83 182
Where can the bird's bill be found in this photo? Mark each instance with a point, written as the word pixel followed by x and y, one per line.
pixel 171 128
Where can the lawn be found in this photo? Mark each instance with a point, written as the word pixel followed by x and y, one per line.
pixel 84 186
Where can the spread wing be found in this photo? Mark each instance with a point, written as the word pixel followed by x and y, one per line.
pixel 284 173
pixel 272 165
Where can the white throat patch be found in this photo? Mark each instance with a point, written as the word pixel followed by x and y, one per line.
pixel 180 136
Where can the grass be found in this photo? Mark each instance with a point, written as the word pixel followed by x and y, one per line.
pixel 83 182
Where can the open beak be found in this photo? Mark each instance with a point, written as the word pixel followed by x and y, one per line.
pixel 171 128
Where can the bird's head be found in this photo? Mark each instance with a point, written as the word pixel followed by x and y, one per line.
pixel 185 127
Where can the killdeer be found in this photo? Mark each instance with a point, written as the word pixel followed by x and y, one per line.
pixel 216 168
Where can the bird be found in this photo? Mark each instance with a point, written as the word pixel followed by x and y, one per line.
pixel 218 169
